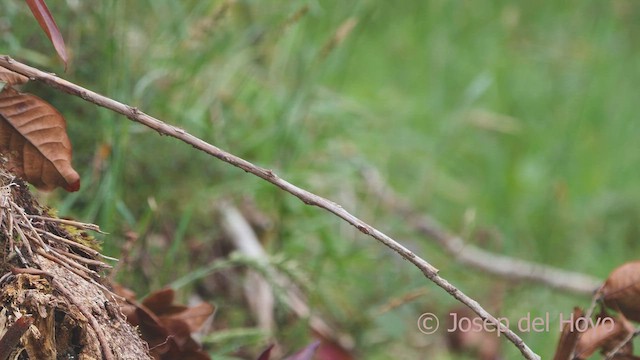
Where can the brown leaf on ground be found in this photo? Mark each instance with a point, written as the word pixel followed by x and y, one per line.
pixel 165 326
pixel 33 136
pixel 161 304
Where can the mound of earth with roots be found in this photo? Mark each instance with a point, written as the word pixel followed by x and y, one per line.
pixel 54 304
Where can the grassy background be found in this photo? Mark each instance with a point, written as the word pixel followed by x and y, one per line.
pixel 521 114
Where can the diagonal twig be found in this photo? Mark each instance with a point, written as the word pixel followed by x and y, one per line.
pixel 305 196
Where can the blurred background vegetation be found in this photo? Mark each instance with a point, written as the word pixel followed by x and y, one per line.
pixel 512 122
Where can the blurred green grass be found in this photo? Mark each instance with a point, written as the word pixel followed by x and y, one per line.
pixel 523 113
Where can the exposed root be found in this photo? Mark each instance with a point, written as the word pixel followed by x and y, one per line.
pixel 55 280
pixel 79 225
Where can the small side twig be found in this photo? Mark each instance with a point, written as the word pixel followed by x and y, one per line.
pixel 134 114
pixel 401 300
pixel 498 265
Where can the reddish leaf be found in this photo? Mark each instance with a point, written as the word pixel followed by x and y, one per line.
pixel 42 14
pixel 306 353
pixel 266 354
pixel 34 138
pixel 329 350
pixel 174 351
pixel 179 332
pixel 160 302
pixel 165 326
pixel 153 332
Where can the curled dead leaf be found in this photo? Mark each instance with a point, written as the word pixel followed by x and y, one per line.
pixel 621 291
pixel 33 137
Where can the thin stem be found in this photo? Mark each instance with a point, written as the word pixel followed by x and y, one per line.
pixel 305 196
pixel 506 267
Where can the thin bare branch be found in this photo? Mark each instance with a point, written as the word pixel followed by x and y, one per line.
pixel 305 196
pixel 499 265
pixel 612 354
pixel 79 225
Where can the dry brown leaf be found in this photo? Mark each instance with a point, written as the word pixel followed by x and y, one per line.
pixel 621 291
pixel 11 77
pixel 195 316
pixel 161 304
pixel 568 338
pixel 33 136
pixel 603 336
pixel 165 326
